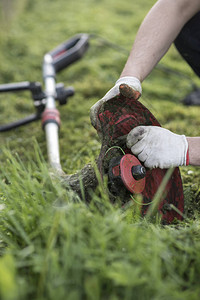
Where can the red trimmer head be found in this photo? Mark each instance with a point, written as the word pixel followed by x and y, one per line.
pixel 127 171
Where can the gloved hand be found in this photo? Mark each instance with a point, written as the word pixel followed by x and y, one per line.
pixel 133 90
pixel 158 147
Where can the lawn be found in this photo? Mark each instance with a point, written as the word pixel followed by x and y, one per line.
pixel 53 246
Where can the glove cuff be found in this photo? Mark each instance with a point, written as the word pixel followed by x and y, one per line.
pixel 187 158
pixel 131 81
pixel 186 151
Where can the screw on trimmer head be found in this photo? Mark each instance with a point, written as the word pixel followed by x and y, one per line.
pixel 127 171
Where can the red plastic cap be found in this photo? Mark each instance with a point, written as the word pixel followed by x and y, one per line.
pixel 126 164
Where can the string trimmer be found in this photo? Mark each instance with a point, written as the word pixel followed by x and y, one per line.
pixel 116 118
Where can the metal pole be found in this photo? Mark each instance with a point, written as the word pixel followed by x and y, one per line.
pixel 50 118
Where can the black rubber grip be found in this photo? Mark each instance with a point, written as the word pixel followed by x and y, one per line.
pixel 69 51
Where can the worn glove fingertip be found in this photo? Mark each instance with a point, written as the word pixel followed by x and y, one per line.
pixel 128 92
pixel 135 135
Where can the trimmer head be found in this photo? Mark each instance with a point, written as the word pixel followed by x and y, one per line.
pixel 127 171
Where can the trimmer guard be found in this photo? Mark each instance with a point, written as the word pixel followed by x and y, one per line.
pixel 116 118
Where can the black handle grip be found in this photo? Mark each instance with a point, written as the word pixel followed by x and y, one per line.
pixel 15 87
pixel 69 51
pixel 37 95
pixel 16 124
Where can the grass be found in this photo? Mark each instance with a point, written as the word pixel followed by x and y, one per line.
pixel 55 246
pixel 60 248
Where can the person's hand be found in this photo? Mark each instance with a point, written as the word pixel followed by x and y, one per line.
pixel 157 147
pixel 127 86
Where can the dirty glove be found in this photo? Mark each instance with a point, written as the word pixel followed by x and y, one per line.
pixel 158 147
pixel 133 90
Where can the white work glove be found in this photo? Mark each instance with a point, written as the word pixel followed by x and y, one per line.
pixel 158 147
pixel 134 92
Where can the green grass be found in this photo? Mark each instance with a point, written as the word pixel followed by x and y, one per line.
pixel 52 245
pixel 55 246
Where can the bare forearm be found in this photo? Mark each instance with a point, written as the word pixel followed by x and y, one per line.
pixel 156 33
pixel 194 150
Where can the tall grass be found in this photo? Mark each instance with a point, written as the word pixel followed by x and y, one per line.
pixel 56 247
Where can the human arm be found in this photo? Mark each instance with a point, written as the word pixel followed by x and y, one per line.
pixel 157 32
pixel 194 150
pixel 158 147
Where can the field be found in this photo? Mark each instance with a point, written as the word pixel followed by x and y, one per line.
pixel 55 247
